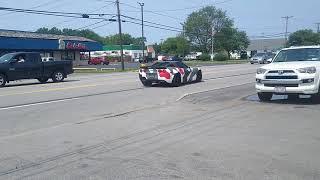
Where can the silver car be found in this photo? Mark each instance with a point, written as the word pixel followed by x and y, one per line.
pixel 258 58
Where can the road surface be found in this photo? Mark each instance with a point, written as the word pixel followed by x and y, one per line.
pixel 108 126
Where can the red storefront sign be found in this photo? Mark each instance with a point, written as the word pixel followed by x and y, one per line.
pixel 79 46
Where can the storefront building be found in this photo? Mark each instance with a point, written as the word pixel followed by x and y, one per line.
pixel 57 46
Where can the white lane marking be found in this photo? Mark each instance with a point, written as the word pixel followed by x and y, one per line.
pixel 37 104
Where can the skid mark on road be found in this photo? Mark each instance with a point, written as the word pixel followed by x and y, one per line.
pixel 64 99
pixel 52 89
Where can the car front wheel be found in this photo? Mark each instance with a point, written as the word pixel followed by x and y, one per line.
pixel 264 97
pixel 199 76
pixel 176 82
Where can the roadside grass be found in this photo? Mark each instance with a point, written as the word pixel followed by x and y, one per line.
pixel 88 71
pixel 202 63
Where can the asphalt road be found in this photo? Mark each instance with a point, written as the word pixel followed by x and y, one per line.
pixel 108 126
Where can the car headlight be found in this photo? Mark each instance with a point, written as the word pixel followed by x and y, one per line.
pixel 309 70
pixel 261 71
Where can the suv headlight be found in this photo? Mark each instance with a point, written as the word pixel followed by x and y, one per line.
pixel 261 71
pixel 309 70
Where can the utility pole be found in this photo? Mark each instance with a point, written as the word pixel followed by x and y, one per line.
pixel 318 29
pixel 142 31
pixel 183 30
pixel 212 36
pixel 286 33
pixel 120 35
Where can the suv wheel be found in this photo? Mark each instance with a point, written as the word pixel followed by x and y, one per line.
pixel 58 76
pixel 3 80
pixel 265 96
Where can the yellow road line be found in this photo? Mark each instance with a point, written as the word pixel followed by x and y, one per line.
pixel 49 90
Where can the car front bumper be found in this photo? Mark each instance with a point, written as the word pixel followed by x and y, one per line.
pixel 307 89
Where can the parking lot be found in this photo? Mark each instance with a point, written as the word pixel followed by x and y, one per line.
pixel 108 126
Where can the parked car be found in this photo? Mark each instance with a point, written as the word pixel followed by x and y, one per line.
pixel 26 65
pixel 47 59
pixel 169 72
pixel 294 71
pixel 98 61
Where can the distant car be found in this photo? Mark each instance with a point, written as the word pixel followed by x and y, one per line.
pixel 258 58
pixel 169 72
pixel 98 61
pixel 47 59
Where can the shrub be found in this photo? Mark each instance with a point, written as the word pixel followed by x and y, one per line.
pixel 221 56
pixel 205 57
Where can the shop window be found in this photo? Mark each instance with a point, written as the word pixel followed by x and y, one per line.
pixel 68 55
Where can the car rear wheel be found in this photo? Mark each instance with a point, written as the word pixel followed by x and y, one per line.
pixel 199 76
pixel 58 76
pixel 3 80
pixel 43 80
pixel 264 97
pixel 176 81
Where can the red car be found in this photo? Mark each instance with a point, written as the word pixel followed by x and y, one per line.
pixel 98 61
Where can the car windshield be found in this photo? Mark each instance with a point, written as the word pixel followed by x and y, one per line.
pixel 306 54
pixel 6 58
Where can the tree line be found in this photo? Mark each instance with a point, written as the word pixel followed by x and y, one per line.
pixel 87 33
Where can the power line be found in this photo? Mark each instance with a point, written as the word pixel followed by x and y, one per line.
pixel 49 12
pixel 67 21
pixel 193 7
pixel 41 5
pixel 163 25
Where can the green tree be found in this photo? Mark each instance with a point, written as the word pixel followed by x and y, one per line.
pixel 86 33
pixel 230 40
pixel 176 46
pixel 303 38
pixel 201 24
pixel 127 39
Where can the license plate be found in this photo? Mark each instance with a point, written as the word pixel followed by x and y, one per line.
pixel 151 76
pixel 280 89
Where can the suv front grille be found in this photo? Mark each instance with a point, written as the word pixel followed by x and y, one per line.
pixel 282 71
pixel 281 85
pixel 282 77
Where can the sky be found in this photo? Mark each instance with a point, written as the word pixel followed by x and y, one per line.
pixel 256 17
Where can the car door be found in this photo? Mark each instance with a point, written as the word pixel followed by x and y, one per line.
pixel 33 65
pixel 17 68
pixel 185 71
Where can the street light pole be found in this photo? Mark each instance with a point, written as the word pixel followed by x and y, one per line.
pixel 142 30
pixel 120 35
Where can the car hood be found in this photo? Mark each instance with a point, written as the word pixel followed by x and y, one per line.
pixel 292 65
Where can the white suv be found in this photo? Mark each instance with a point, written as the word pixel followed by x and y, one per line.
pixel 293 71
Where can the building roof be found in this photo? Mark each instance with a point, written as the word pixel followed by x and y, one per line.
pixel 33 35
pixel 117 47
pixel 266 44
